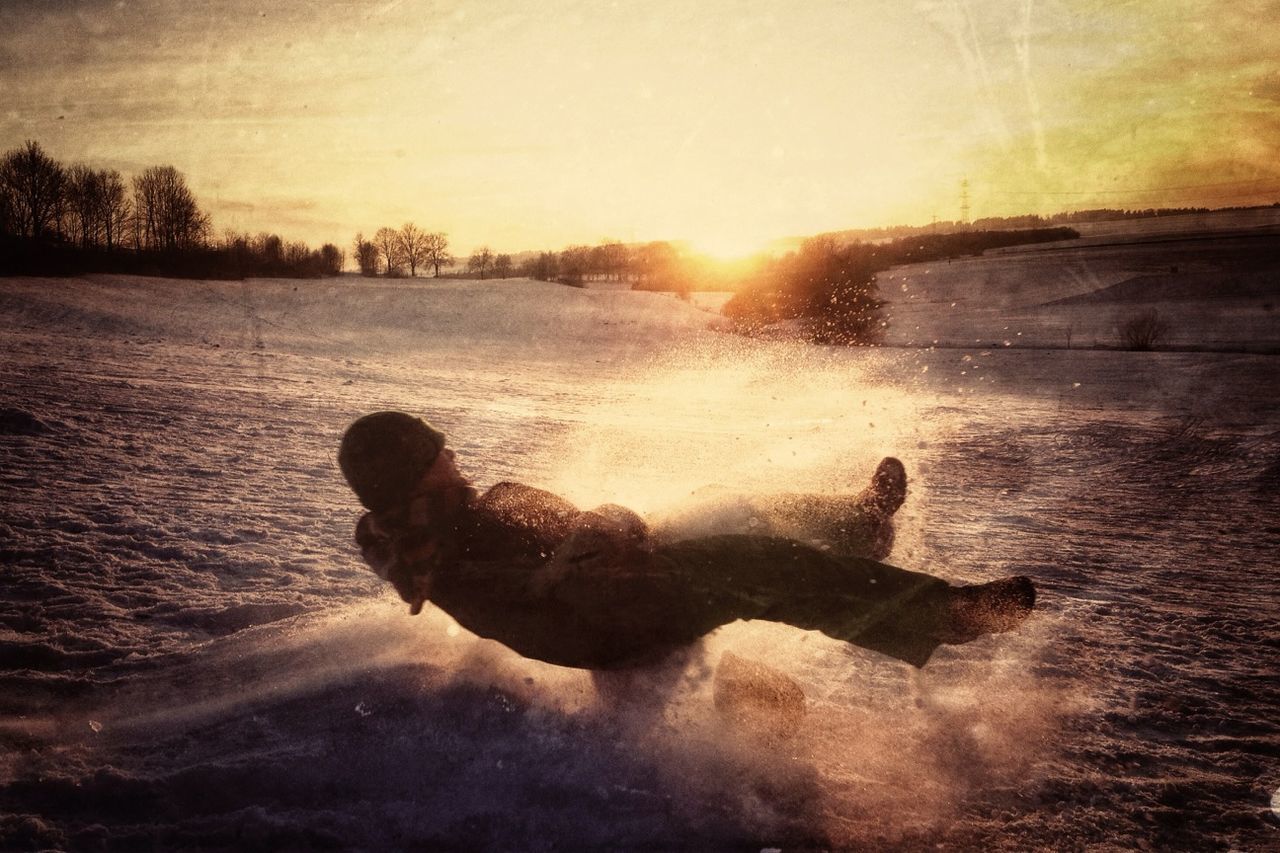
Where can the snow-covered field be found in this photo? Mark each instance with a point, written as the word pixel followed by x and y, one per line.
pixel 192 656
pixel 1217 291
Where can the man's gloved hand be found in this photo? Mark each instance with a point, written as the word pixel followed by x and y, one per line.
pixel 402 553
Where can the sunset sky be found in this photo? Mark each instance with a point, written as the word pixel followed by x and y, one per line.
pixel 532 125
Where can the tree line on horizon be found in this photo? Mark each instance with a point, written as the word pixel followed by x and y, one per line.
pixel 56 219
pixel 1033 220
pixel 69 219
pixel 657 265
pixel 398 252
pixel 43 202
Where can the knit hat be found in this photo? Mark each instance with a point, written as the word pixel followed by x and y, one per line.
pixel 384 455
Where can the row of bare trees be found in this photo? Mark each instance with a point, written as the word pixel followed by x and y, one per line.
pixel 44 202
pixel 78 218
pixel 395 252
pixel 165 213
pixel 46 205
pixel 268 255
pixel 657 265
pixel 577 264
pixel 484 263
pixel 404 251
pixel 98 207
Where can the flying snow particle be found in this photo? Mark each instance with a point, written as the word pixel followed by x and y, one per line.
pixel 363 710
pixel 95 725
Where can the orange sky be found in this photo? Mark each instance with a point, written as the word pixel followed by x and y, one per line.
pixel 528 125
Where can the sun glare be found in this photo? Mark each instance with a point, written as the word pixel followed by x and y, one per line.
pixel 728 246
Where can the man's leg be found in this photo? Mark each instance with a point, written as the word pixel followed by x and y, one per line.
pixel 853 525
pixel 859 525
pixel 903 614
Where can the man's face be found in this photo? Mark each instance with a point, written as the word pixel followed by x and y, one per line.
pixel 442 491
pixel 443 475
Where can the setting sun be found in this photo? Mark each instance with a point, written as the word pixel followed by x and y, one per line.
pixel 726 247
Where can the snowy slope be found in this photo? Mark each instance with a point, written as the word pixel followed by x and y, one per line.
pixel 1215 291
pixel 192 656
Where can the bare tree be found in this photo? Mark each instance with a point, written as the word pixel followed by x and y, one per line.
pixel 481 261
pixel 655 265
pixel 33 184
pixel 116 210
pixel 436 251
pixel 610 259
pixel 366 255
pixel 388 242
pixel 270 248
pixel 502 266
pixel 575 264
pixel 332 259
pixel 297 255
pixel 413 247
pixel 239 249
pixel 545 267
pixel 1143 331
pixel 83 205
pixel 8 213
pixel 167 216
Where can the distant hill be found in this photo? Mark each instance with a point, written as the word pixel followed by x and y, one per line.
pixel 1182 287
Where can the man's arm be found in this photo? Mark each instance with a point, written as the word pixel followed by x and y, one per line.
pixel 402 556
pixel 600 541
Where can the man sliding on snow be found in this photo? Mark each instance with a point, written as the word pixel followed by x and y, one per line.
pixel 599 590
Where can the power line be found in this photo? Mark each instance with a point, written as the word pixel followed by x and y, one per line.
pixel 1200 198
pixel 1135 191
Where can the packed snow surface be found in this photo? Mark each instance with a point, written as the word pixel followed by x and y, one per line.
pixel 192 655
